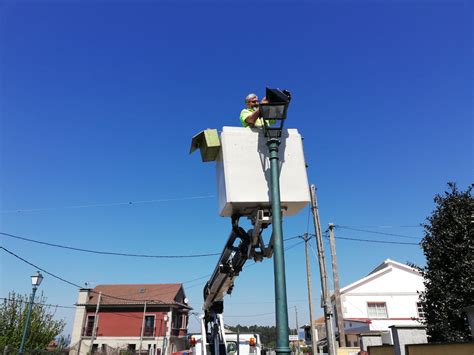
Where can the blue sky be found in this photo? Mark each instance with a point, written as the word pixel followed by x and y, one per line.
pixel 99 102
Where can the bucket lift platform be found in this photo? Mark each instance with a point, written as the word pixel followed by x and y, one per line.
pixel 243 179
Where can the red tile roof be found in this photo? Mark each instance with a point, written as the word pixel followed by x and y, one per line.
pixel 136 294
pixel 320 320
pixel 361 320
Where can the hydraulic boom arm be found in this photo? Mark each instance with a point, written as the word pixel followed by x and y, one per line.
pixel 240 247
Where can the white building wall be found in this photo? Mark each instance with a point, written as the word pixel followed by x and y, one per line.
pixel 79 317
pixel 395 287
pixel 391 279
pixel 398 305
pixel 123 342
pixel 118 343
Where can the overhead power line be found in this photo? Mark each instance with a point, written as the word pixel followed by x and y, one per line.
pixel 102 252
pixel 377 232
pixel 369 240
pixel 67 281
pixel 68 307
pixel 386 226
pixel 376 241
pixel 290 238
pixel 251 315
pixel 103 294
pixel 128 203
pixel 37 303
pixel 39 268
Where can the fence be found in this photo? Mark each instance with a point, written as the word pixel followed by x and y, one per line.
pixel 426 349
pixel 9 350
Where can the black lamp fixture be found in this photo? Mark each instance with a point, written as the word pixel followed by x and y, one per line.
pixel 274 110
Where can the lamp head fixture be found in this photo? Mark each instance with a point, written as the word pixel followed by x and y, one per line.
pixel 274 112
pixel 36 279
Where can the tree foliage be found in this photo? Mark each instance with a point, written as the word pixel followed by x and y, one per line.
pixel 448 274
pixel 43 327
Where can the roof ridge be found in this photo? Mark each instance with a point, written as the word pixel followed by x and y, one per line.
pixel 161 284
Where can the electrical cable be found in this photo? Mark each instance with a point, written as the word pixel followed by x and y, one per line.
pixel 128 203
pixel 297 236
pixel 376 241
pixel 294 245
pixel 69 282
pixel 251 315
pixel 307 222
pixel 101 252
pixel 60 306
pixel 105 295
pixel 39 268
pixel 40 304
pixel 383 226
pixel 372 240
pixel 376 232
pixel 286 249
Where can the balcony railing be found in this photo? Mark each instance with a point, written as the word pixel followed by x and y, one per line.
pixel 149 332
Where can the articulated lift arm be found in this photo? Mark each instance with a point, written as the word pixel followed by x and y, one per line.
pixel 239 247
pixel 230 263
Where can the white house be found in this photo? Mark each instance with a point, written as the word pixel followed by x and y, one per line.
pixel 387 296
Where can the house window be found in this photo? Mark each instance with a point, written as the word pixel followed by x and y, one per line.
pixel 420 310
pixel 180 321
pixel 149 330
pixel 89 326
pixel 377 310
pixel 184 321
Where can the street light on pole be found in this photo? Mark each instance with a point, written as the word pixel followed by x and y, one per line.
pixel 275 110
pixel 164 345
pixel 35 282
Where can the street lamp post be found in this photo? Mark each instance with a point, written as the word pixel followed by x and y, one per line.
pixel 275 110
pixel 35 281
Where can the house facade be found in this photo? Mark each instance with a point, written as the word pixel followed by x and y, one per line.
pixel 319 330
pixel 151 318
pixel 387 296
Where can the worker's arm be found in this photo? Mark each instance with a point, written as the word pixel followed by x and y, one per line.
pixel 249 118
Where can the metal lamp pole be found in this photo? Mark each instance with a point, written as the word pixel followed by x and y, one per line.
pixel 36 281
pixel 281 307
pixel 275 110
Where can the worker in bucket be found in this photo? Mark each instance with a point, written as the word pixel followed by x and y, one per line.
pixel 250 116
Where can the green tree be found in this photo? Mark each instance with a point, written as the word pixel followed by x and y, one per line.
pixel 43 327
pixel 63 342
pixel 448 274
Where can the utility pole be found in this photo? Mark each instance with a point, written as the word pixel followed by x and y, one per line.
pixel 328 315
pixel 96 321
pixel 143 328
pixel 310 294
pixel 297 327
pixel 337 293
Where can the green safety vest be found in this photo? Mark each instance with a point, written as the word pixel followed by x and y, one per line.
pixel 246 112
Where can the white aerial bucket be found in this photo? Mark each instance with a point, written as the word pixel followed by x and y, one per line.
pixel 243 172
